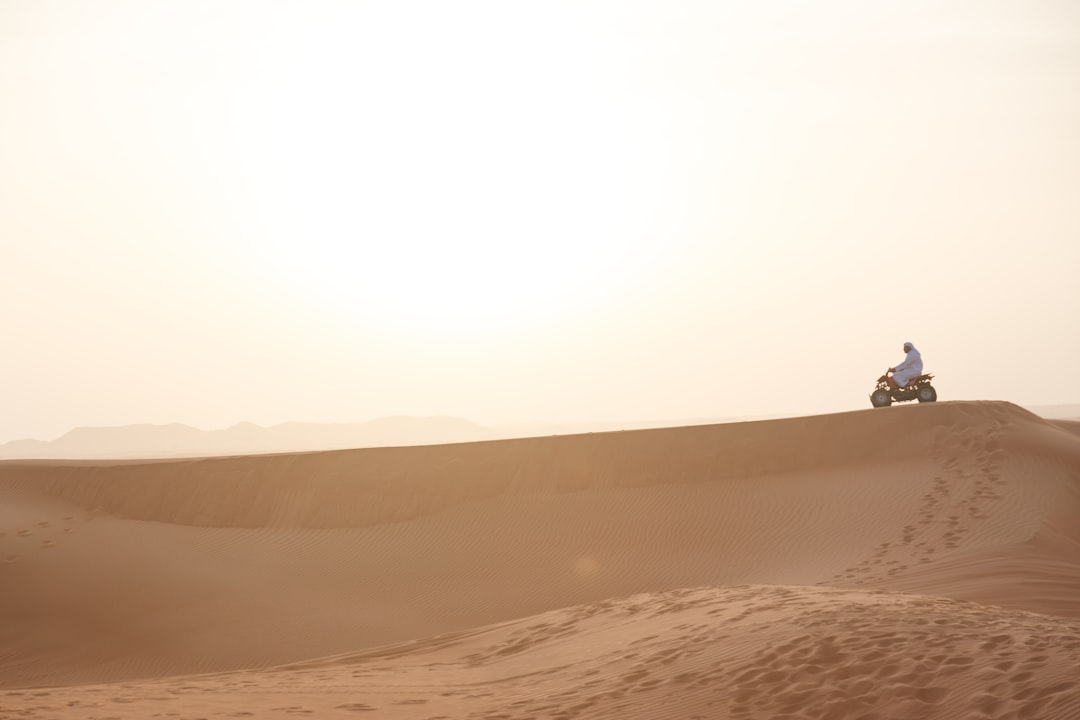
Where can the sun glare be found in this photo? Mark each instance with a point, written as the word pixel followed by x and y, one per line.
pixel 453 191
pixel 437 280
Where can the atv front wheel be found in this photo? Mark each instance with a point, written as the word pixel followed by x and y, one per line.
pixel 880 398
pixel 927 394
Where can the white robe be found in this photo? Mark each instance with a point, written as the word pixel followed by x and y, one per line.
pixel 910 369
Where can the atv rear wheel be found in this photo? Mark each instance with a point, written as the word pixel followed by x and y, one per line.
pixel 881 398
pixel 927 394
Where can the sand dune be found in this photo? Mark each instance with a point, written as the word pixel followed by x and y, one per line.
pixel 919 561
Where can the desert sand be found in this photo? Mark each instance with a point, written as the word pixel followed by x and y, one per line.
pixel 920 561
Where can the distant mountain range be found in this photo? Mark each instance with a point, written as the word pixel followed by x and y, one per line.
pixel 178 440
pixel 1061 412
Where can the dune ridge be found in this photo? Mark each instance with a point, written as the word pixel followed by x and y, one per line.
pixel 920 561
pixel 356 488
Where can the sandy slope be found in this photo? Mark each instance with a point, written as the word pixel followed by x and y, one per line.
pixel 920 561
pixel 741 652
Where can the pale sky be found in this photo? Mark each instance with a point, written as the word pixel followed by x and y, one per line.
pixel 214 212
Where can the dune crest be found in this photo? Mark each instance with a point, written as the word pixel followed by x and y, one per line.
pixel 370 486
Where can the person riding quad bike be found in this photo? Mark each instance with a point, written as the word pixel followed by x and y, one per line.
pixel 908 370
pixel 907 382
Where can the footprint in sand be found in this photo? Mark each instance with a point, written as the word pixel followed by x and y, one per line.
pixel 46 544
pixel 355 707
pixel 10 559
pixel 24 533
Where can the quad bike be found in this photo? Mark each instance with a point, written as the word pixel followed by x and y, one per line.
pixel 918 389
